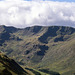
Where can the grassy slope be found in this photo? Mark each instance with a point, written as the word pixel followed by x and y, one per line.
pixel 24 45
pixel 60 60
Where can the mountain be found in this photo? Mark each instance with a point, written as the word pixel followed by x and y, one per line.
pixel 46 48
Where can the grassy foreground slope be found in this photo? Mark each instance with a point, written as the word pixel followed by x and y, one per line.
pixel 51 48
pixel 10 67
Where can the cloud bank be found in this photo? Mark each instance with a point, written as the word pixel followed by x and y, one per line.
pixel 28 13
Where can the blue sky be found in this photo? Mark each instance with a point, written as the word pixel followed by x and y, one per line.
pixel 50 0
pixel 58 0
pixel 64 0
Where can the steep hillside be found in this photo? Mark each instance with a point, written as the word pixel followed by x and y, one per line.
pixel 10 67
pixel 41 47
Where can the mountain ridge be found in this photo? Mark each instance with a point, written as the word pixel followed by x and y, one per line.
pixel 53 46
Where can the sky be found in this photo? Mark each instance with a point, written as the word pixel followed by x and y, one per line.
pixel 21 13
pixel 45 0
pixel 55 0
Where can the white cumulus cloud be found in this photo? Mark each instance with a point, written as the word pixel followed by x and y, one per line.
pixel 21 13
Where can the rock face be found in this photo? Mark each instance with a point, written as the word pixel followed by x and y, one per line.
pixel 50 47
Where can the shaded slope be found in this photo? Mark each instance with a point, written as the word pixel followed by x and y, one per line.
pixel 55 31
pixel 6 34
